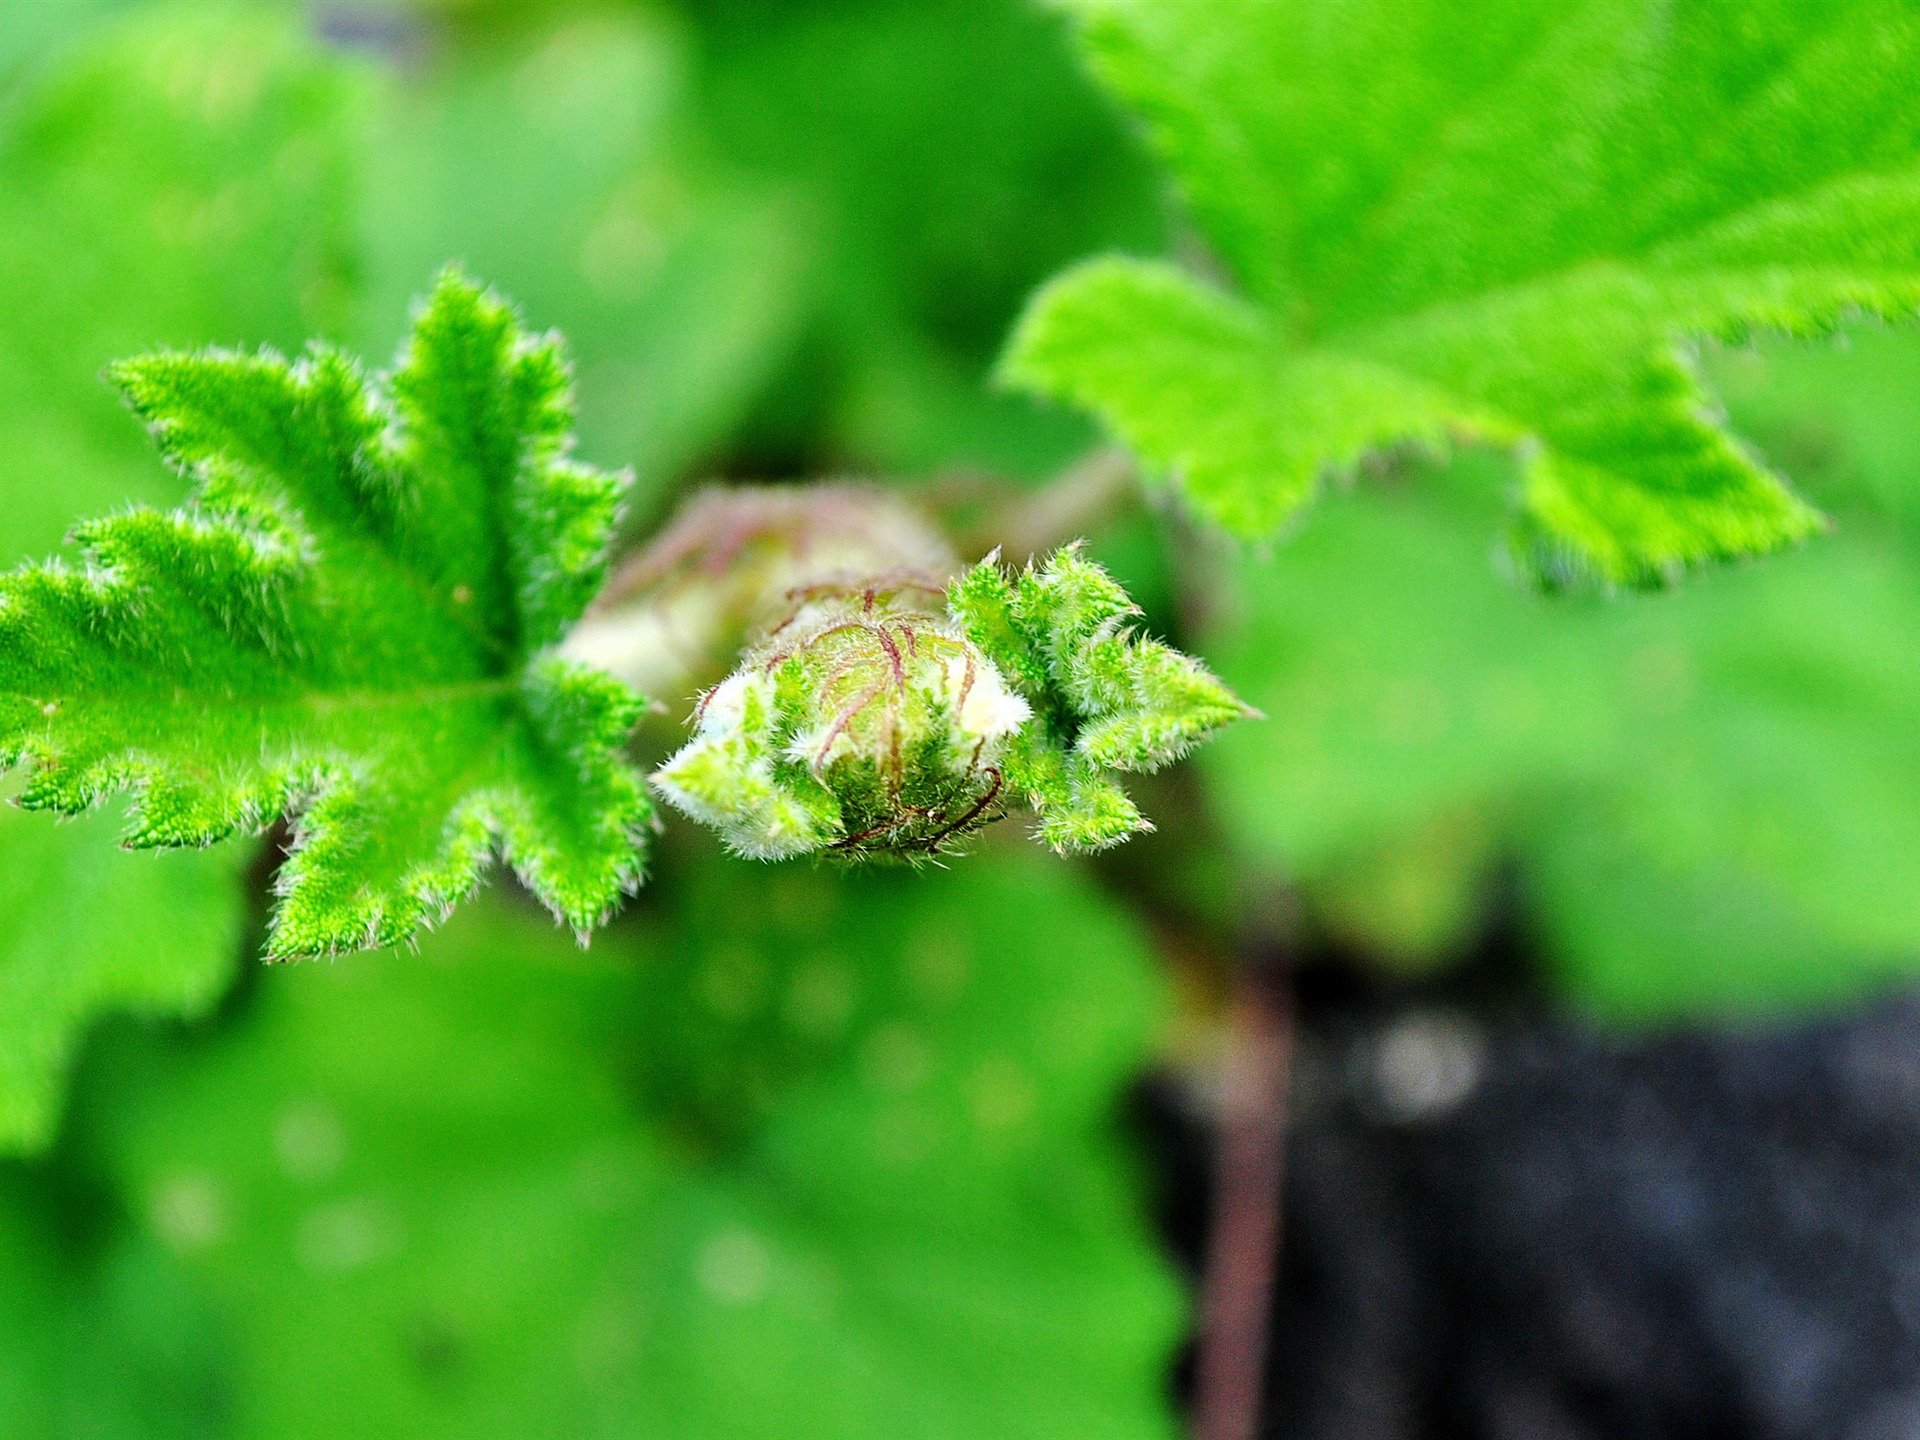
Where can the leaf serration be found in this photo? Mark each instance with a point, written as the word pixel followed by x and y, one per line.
pixel 348 625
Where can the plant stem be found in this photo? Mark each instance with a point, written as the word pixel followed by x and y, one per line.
pixel 1073 504
pixel 675 615
pixel 1249 1186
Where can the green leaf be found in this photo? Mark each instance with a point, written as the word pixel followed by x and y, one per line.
pixel 85 929
pixel 35 29
pixel 101 1337
pixel 1640 933
pixel 1708 799
pixel 180 178
pixel 1508 224
pixel 132 208
pixel 807 1154
pixel 348 626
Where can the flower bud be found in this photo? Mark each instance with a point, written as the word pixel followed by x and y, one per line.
pixel 866 723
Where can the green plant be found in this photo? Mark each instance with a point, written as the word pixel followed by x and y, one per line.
pixel 351 626
pixel 114 231
pixel 869 722
pixel 442 1182
pixel 1503 224
pixel 810 1148
pixel 346 626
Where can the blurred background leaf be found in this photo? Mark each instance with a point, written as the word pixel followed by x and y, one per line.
pixel 1708 798
pixel 948 155
pixel 85 927
pixel 791 1152
pixel 550 156
pixel 181 179
pixel 100 1335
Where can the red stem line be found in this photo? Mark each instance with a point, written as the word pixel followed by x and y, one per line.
pixel 1249 1185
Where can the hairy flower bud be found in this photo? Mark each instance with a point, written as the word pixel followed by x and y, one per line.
pixel 865 723
pixel 884 707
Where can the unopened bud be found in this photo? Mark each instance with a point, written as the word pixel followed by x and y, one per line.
pixel 883 707
pixel 867 723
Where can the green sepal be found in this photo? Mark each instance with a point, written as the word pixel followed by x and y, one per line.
pixel 865 725
pixel 1104 697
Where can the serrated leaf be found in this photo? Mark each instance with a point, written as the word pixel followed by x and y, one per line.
pixel 130 209
pixel 550 157
pixel 1707 799
pixel 1444 222
pixel 347 627
pixel 860 1169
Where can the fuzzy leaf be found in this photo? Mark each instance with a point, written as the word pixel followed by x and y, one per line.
pixel 120 223
pixel 1502 223
pixel 347 627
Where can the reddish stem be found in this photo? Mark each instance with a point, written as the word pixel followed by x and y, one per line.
pixel 1249 1184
